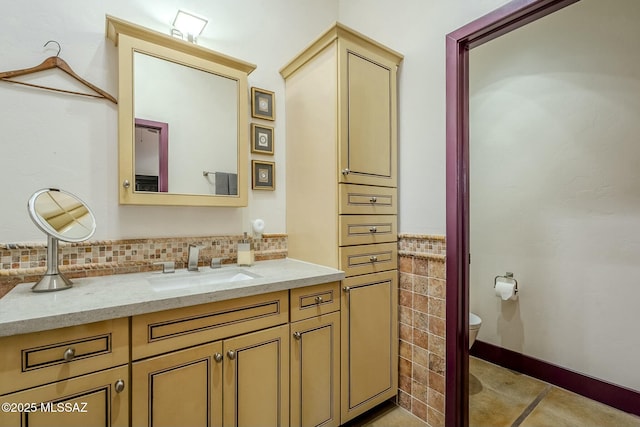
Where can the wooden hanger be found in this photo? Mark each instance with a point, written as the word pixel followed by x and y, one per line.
pixel 56 62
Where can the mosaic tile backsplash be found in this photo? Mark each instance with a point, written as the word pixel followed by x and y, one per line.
pixel 25 262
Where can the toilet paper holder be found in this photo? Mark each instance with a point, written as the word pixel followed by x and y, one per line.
pixel 509 276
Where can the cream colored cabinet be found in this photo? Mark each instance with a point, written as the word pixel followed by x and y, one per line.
pixel 241 381
pixel 179 388
pixel 98 399
pixel 341 94
pixel 204 365
pixel 315 356
pixel 75 376
pixel 370 341
pixel 256 379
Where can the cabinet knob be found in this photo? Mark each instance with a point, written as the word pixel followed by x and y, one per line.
pixel 346 289
pixel 373 230
pixel 231 354
pixel 126 183
pixel 346 171
pixel 319 300
pixel 373 258
pixel 297 335
pixel 69 354
pixel 373 199
pixel 217 357
pixel 119 386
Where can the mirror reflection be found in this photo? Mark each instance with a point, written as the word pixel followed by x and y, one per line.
pixel 61 215
pixel 186 128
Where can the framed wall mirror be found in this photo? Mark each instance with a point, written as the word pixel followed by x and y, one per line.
pixel 182 121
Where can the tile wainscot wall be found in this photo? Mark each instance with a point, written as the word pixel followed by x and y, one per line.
pixel 422 326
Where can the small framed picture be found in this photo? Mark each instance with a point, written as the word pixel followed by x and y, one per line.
pixel 261 139
pixel 263 175
pixel 263 104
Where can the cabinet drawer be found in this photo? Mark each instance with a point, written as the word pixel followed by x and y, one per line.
pixel 38 358
pixel 365 259
pixel 164 331
pixel 314 300
pixel 368 200
pixel 367 229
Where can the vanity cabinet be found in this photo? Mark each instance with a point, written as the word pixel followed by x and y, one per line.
pixel 241 381
pixel 315 356
pixel 222 363
pixel 340 95
pixel 68 376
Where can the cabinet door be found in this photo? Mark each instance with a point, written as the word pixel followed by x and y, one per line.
pixel 315 371
pixel 86 401
pixel 182 388
pixel 256 379
pixel 369 342
pixel 368 138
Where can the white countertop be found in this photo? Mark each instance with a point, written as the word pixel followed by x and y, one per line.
pixel 94 299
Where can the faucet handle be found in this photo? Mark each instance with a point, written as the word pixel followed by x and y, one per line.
pixel 167 266
pixel 216 262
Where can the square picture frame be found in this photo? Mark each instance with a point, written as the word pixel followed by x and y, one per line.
pixel 263 175
pixel 262 138
pixel 263 104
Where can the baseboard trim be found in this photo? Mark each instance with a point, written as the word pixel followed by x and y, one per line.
pixel 622 398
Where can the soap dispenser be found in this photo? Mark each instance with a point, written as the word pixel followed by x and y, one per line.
pixel 245 252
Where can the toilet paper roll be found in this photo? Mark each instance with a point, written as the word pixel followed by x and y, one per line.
pixel 505 290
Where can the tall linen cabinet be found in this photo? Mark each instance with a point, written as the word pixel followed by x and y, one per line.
pixel 341 184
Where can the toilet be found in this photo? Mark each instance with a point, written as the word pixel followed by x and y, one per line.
pixel 474 326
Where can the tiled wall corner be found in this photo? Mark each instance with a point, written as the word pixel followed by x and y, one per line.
pixel 24 262
pixel 422 326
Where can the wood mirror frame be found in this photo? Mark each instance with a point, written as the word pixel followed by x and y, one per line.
pixel 501 21
pixel 131 39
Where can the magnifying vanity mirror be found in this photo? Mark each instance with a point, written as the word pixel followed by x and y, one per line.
pixel 62 216
pixel 182 121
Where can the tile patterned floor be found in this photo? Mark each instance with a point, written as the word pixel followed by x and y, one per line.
pixel 387 415
pixel 499 397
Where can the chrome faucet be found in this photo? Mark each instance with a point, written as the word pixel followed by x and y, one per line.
pixel 192 263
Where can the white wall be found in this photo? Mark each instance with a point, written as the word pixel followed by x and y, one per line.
pixel 55 140
pixel 50 139
pixel 417 29
pixel 555 188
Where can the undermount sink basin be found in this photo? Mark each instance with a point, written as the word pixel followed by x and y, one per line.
pixel 182 279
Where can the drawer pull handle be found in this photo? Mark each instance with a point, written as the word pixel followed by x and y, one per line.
pixel 346 171
pixel 297 335
pixel 373 199
pixel 319 300
pixel 231 354
pixel 217 357
pixel 119 386
pixel 69 354
pixel 373 229
pixel 373 258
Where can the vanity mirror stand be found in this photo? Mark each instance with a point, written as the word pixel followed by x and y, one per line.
pixel 62 216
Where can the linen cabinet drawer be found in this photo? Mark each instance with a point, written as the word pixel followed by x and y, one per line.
pixel 368 200
pixel 29 360
pixel 169 330
pixel 367 229
pixel 314 300
pixel 365 259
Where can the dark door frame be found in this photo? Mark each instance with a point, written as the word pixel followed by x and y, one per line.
pixel 509 17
